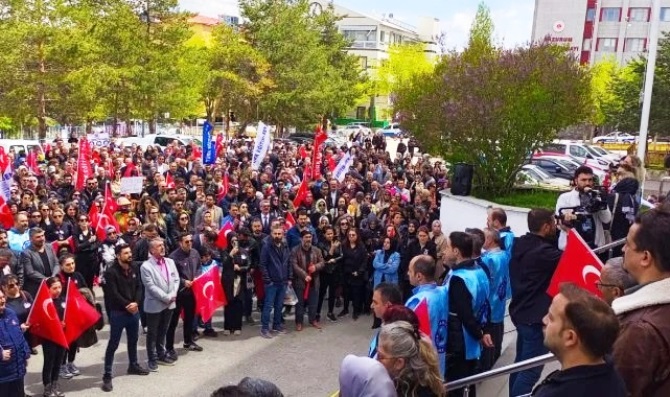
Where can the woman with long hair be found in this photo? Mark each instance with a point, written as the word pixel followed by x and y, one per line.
pixel 410 359
pixel 67 271
pixel 86 247
pixel 235 264
pixel 154 217
pixel 354 269
pixel 53 353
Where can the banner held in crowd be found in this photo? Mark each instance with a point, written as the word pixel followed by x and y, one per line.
pixel 317 153
pixel 208 145
pixel 343 167
pixel 84 170
pixel 261 145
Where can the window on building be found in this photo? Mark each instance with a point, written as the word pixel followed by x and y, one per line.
pixel 610 14
pixel 638 14
pixel 591 14
pixel 360 35
pixel 382 36
pixel 363 62
pixel 635 45
pixel 665 14
pixel 607 45
pixel 587 45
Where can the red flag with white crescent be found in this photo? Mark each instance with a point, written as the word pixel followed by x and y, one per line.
pixel 84 170
pixel 317 153
pixel 289 222
pixel 209 293
pixel 169 181
pixel 578 265
pixel 79 315
pixel 222 238
pixel 43 318
pixel 301 194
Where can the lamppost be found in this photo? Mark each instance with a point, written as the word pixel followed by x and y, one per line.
pixel 649 77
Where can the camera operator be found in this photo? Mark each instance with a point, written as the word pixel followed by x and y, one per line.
pixel 585 209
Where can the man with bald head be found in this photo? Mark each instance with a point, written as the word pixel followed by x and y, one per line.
pixel 614 280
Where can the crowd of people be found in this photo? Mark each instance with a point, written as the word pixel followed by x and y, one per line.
pixel 366 241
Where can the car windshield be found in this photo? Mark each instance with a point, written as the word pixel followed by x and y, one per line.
pixel 569 164
pixel 592 150
pixel 537 174
pixel 599 150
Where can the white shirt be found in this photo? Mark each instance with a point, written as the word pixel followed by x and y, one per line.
pixel 571 199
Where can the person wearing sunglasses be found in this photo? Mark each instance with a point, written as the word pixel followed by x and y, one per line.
pixel 18 300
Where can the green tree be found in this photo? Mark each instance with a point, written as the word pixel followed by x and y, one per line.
pixel 405 62
pixel 491 107
pixel 602 75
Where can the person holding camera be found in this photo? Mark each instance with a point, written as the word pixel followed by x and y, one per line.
pixel 584 209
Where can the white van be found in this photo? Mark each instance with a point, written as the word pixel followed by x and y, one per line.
pixel 17 145
pixel 159 140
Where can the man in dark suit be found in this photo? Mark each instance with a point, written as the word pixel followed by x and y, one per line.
pixel 333 194
pixel 265 216
pixel 38 261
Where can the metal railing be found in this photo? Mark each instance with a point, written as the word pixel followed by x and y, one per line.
pixel 521 365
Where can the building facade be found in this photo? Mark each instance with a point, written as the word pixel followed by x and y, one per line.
pixel 596 30
pixel 371 38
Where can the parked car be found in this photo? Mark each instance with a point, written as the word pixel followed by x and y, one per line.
pixel 615 137
pixel 555 168
pixel 599 152
pixel 159 140
pixel 571 163
pixel 532 176
pixel 392 131
pixel 18 145
pixel 576 150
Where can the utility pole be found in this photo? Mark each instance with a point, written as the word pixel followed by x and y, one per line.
pixel 649 78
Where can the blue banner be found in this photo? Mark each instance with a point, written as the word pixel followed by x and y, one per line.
pixel 208 145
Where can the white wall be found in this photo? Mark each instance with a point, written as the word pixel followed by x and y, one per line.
pixel 460 212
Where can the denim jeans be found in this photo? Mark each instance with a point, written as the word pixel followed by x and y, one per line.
pixel 309 305
pixel 529 344
pixel 157 326
pixel 274 299
pixel 118 321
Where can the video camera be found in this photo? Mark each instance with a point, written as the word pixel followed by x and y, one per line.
pixel 597 201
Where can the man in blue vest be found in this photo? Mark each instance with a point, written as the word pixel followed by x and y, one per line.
pixel 469 310
pixel 431 299
pixel 497 219
pixel 496 260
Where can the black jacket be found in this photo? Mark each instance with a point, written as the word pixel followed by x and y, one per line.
pixel 626 207
pixel 460 313
pixel 583 381
pixel 414 249
pixel 534 260
pixel 121 287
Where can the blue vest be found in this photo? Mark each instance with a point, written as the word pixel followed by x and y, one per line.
pixel 507 238
pixel 478 285
pixel 372 350
pixel 437 299
pixel 497 262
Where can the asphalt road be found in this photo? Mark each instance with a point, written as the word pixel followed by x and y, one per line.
pixel 302 364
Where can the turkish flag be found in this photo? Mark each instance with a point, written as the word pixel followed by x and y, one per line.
pixel 289 222
pixel 4 159
pixel 222 239
pixel 578 265
pixel 31 161
pixel 219 144
pixel 101 220
pixel 70 243
pixel 421 311
pixel 80 315
pixel 43 318
pixel 223 190
pixel 110 203
pixel 317 153
pixel 209 294
pixel 6 216
pixel 169 180
pixel 301 194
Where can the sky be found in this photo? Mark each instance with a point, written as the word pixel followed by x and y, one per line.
pixel 513 19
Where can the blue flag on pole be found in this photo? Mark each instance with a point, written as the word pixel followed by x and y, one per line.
pixel 208 145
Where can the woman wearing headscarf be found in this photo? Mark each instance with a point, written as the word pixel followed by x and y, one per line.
pixel 364 377
pixel 235 264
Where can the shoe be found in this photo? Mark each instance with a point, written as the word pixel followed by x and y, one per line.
pixel 152 366
pixel 165 361
pixel 136 369
pixel 266 334
pixel 343 313
pixel 172 355
pixel 298 327
pixel 71 368
pixel 250 320
pixel 210 333
pixel 332 317
pixel 48 390
pixel 55 390
pixel 64 373
pixel 237 332
pixel 195 335
pixel 144 330
pixel 226 332
pixel 194 347
pixel 316 325
pixel 107 385
pixel 281 330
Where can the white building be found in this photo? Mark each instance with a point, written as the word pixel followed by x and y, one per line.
pixel 594 30
pixel 372 37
